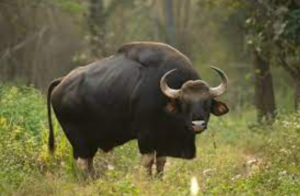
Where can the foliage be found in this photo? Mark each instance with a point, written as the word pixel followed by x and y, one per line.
pixel 23 136
pixel 273 31
pixel 273 27
pixel 39 39
pixel 71 6
pixel 23 107
pixel 65 34
pixel 244 161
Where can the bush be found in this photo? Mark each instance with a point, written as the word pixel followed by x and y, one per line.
pixel 23 106
pixel 232 159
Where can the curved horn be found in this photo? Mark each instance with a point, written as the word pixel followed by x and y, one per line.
pixel 171 93
pixel 219 90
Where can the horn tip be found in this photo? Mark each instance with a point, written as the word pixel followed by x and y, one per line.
pixel 215 68
pixel 219 70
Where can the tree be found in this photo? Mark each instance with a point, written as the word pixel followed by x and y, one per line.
pixel 264 92
pixel 172 18
pixel 275 24
pixel 98 18
pixel 97 26
pixel 260 45
pixel 288 43
pixel 31 46
pixel 170 26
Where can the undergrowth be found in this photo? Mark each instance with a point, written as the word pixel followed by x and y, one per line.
pixel 233 158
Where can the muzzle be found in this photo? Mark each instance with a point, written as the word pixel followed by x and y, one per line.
pixel 198 126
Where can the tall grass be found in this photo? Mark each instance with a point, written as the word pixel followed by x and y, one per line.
pixel 234 157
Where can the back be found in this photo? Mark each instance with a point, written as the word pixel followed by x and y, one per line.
pixel 101 93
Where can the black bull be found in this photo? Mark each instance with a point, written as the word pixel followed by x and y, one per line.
pixel 125 97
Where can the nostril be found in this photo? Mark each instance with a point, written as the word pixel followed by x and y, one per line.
pixel 199 123
pixel 198 126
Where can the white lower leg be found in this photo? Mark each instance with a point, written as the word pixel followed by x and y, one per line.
pixel 160 164
pixel 83 164
pixel 147 161
pixel 91 166
pixel 86 166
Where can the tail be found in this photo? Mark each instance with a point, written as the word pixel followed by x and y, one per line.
pixel 51 141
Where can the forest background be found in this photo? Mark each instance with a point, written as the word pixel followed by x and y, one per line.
pixel 257 44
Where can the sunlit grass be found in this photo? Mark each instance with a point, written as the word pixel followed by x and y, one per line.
pixel 234 157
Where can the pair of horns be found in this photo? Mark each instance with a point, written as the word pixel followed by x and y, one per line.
pixel 175 93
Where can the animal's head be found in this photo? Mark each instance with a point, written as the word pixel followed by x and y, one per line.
pixel 195 101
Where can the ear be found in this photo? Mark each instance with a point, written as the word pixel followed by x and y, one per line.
pixel 171 107
pixel 219 108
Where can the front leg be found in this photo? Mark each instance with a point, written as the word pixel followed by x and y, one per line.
pixel 160 164
pixel 86 166
pixel 147 161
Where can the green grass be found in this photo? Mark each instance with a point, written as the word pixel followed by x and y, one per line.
pixel 232 159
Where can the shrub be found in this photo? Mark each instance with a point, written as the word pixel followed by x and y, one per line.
pixel 232 159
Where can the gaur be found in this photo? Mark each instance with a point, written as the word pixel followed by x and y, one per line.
pixel 147 91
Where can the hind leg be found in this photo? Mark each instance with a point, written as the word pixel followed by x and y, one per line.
pixel 160 165
pixel 84 159
pixel 83 149
pixel 147 161
pixel 86 165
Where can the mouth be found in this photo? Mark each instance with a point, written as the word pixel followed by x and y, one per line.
pixel 198 126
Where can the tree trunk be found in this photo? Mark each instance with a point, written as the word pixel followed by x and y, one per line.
pixel 264 91
pixel 297 94
pixel 97 27
pixel 170 25
pixel 294 72
pixel 297 81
